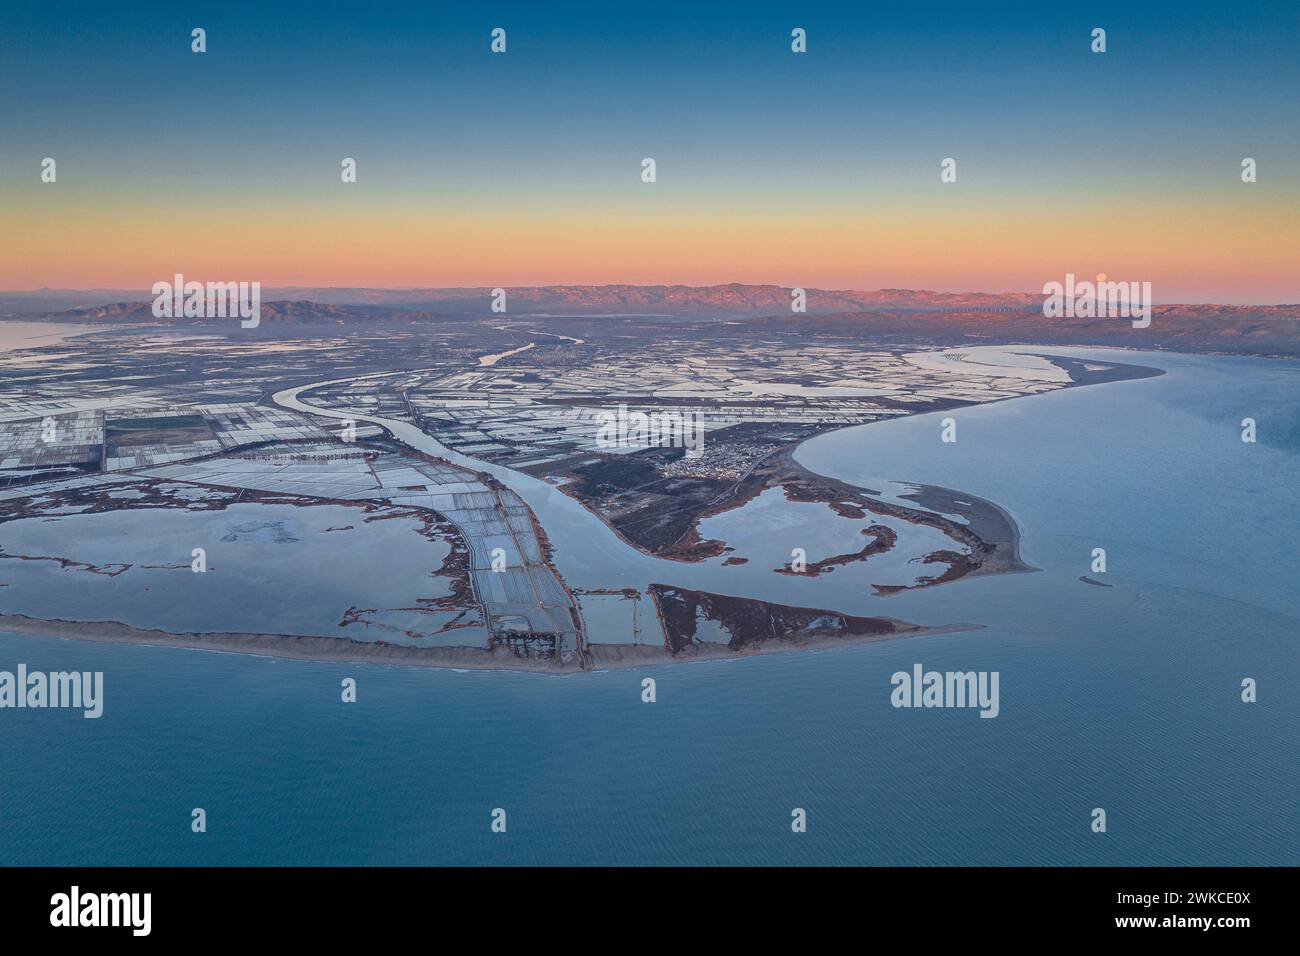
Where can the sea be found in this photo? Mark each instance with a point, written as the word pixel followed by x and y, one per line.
pixel 1125 698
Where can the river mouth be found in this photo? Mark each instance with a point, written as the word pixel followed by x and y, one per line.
pixel 595 554
pixel 573 560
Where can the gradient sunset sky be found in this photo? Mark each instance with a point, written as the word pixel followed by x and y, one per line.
pixel 816 170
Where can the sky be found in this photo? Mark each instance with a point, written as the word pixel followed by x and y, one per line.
pixel 819 170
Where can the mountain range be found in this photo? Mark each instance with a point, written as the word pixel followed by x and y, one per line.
pixel 732 300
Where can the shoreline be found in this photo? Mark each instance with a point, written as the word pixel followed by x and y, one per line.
pixel 327 650
pixel 991 533
pixel 996 553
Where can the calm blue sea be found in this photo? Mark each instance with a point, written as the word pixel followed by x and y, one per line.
pixel 1125 698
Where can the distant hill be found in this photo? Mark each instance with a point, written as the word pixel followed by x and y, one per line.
pixel 730 299
pixel 286 312
pixel 1240 330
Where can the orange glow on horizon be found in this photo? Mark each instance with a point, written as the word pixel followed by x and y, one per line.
pixel 1197 254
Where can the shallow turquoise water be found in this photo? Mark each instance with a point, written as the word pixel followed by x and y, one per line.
pixel 1125 697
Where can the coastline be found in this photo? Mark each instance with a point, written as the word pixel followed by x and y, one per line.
pixel 991 534
pixel 318 649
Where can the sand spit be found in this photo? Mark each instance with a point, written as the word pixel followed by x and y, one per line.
pixel 337 649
